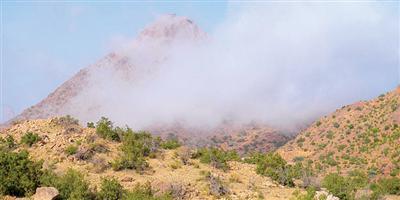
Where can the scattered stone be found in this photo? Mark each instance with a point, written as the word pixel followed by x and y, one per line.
pixel 127 179
pixel 363 194
pixel 84 153
pixel 321 194
pixel 216 186
pixel 45 193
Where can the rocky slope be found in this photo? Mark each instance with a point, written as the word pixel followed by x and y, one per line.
pixel 150 48
pixel 363 136
pixel 166 169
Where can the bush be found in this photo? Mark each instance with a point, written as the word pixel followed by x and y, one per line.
pixel 216 157
pixel 336 125
pixel 254 158
pixel 67 121
pixel 111 189
pixel 19 176
pixel 71 150
pixel 275 167
pixel 339 186
pixel 308 196
pixel 8 143
pixel 386 186
pixel 135 147
pixel 90 125
pixel 71 185
pixel 105 129
pixel 144 192
pixel 170 144
pixel 30 138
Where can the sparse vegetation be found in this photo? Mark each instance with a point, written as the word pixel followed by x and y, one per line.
pixel 30 138
pixel 71 185
pixel 386 186
pixel 90 125
pixel 8 143
pixel 275 167
pixel 216 157
pixel 111 189
pixel 105 129
pixel 71 150
pixel 19 176
pixel 170 144
pixel 145 192
pixel 135 148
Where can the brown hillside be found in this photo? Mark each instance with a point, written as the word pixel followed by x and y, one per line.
pixel 364 135
pixel 166 169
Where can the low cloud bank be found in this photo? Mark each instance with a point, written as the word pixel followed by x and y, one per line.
pixel 284 65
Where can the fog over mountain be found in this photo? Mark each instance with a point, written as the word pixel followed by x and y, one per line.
pixel 279 65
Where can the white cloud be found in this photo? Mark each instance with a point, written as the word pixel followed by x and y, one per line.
pixel 282 65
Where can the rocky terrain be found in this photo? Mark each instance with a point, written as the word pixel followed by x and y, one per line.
pixel 94 155
pixel 364 136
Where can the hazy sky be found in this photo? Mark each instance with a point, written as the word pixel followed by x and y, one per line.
pixel 45 43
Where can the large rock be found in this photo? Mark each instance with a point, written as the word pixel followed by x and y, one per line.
pixel 325 195
pixel 45 193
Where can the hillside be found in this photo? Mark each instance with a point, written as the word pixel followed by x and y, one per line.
pixel 94 155
pixel 243 138
pixel 363 136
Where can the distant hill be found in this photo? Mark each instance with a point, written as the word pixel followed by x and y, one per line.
pixel 364 135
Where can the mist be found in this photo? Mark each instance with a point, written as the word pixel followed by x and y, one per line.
pixel 278 64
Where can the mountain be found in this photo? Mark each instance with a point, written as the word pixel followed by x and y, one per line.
pixel 135 64
pixel 154 40
pixel 363 136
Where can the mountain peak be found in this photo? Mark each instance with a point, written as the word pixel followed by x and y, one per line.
pixel 171 27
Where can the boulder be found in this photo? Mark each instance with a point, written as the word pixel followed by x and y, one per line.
pixel 327 195
pixel 45 193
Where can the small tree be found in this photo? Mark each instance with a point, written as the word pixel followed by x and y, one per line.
pixel 19 176
pixel 111 189
pixel 30 138
pixel 105 129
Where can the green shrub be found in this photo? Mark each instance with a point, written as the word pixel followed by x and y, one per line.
pixel 144 192
pixel 339 186
pixel 30 138
pixel 19 175
pixel 330 135
pixel 8 143
pixel 386 186
pixel 90 125
pixel 275 167
pixel 110 189
pixel 71 185
pixel 254 158
pixel 170 144
pixel 308 196
pixel 298 159
pixel 336 125
pixel 71 150
pixel 216 157
pixel 358 178
pixel 105 129
pixel 135 147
